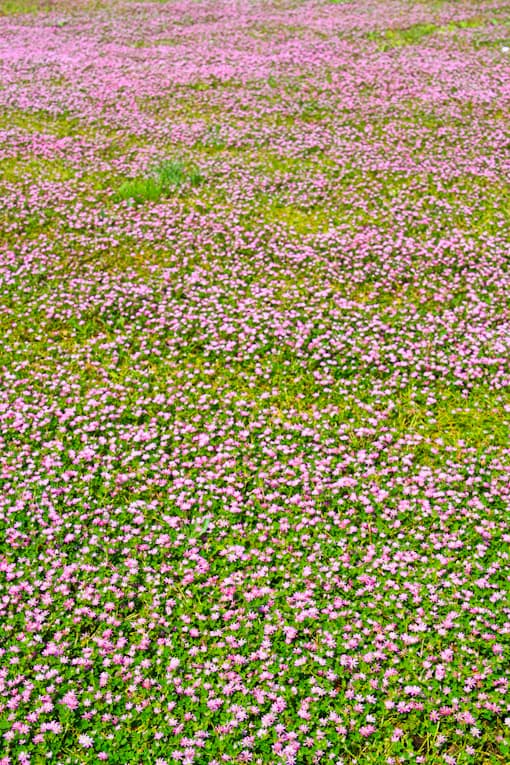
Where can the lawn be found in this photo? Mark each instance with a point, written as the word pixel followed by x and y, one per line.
pixel 255 398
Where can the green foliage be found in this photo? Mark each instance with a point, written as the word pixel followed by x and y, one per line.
pixel 413 35
pixel 10 7
pixel 165 178
pixel 394 38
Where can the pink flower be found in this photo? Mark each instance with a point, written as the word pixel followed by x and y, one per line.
pixel 70 700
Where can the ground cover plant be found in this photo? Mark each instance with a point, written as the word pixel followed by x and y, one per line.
pixel 255 401
pixel 164 178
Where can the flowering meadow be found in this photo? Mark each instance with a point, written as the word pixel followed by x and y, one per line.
pixel 255 399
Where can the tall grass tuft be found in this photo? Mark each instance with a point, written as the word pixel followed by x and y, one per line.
pixel 164 178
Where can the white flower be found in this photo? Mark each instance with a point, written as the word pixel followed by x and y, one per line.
pixel 85 741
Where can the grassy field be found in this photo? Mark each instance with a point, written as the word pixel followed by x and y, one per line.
pixel 255 399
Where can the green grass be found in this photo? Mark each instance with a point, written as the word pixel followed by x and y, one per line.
pixel 15 7
pixel 416 33
pixel 11 7
pixel 164 179
pixel 154 43
pixel 30 170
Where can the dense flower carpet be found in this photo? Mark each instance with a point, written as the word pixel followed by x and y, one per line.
pixel 255 398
